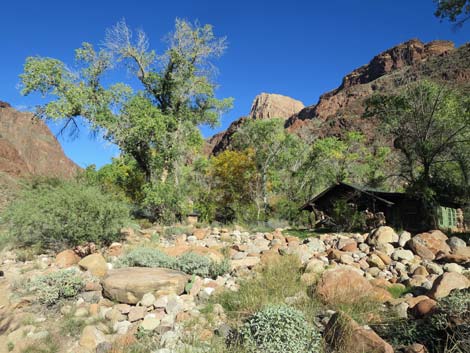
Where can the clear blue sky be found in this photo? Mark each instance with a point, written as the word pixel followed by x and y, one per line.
pixel 296 48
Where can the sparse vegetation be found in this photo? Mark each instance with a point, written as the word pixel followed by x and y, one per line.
pixel 189 263
pixel 56 286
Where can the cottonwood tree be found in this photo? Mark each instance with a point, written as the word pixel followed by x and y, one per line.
pixel 158 123
pixel 430 125
pixel 274 150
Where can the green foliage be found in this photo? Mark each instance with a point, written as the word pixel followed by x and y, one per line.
pixel 454 10
pixel 165 201
pixel 397 291
pixel 56 286
pixel 60 214
pixel 121 177
pixel 279 329
pixel 346 217
pixel 189 263
pixel 146 257
pixel 447 330
pixel 275 152
pixel 157 126
pixel 194 264
pixel 430 126
pixel 277 280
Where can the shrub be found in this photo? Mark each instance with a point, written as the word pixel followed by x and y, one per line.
pixel 279 329
pixel 60 214
pixel 447 330
pixel 146 257
pixel 278 280
pixel 53 287
pixel 189 263
pixel 194 264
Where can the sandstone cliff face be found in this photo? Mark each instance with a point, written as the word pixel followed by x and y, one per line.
pixel 341 109
pixel 269 105
pixel 264 106
pixel 28 148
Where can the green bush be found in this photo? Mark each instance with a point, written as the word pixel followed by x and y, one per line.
pixel 146 257
pixel 189 263
pixel 279 329
pixel 194 264
pixel 53 287
pixel 447 330
pixel 61 214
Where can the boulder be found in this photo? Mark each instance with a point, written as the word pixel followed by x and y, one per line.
pixel 455 243
pixel 129 285
pixel 382 235
pixel 433 242
pixel 95 263
pixel 446 283
pixel 66 258
pixel 343 284
pixel 346 335
pixel 424 308
pixel 399 255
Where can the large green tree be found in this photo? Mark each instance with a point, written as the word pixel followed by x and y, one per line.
pixel 156 123
pixel 430 125
pixel 275 152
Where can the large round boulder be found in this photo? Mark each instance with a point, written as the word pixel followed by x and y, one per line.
pixel 128 285
pixel 429 244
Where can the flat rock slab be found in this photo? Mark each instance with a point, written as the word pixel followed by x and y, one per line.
pixel 128 285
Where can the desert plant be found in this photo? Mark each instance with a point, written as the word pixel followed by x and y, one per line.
pixel 194 264
pixel 447 330
pixel 279 329
pixel 146 257
pixel 53 287
pixel 190 263
pixel 62 214
pixel 277 280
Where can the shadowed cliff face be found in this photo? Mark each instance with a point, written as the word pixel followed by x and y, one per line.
pixel 28 148
pixel 341 110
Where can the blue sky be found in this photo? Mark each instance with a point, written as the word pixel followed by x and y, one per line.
pixel 296 48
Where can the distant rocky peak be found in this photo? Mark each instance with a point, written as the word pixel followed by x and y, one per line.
pixel 270 105
pixel 405 54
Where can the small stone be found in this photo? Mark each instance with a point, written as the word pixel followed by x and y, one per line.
pixel 404 238
pixel 453 267
pixel 137 313
pixel 150 323
pixel 122 327
pixel 81 312
pixel 399 255
pixel 148 299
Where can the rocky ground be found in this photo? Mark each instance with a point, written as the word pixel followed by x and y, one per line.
pixel 117 306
